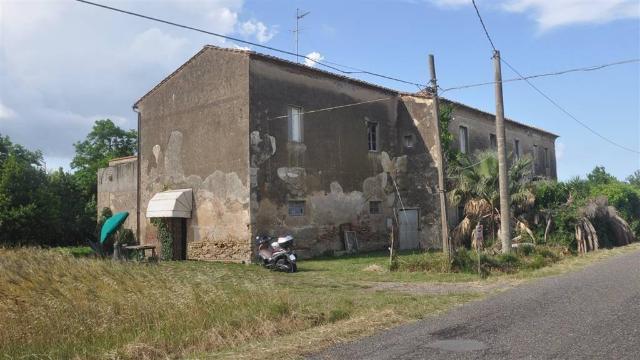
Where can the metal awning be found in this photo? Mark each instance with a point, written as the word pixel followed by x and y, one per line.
pixel 171 203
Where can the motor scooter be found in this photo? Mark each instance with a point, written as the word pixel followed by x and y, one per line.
pixel 276 254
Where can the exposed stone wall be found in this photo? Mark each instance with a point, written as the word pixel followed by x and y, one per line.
pixel 194 134
pixel 117 185
pixel 332 170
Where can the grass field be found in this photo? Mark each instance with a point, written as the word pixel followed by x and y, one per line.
pixel 54 304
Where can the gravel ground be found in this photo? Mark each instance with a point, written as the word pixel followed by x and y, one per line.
pixel 593 313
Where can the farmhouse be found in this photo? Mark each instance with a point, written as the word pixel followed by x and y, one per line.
pixel 236 143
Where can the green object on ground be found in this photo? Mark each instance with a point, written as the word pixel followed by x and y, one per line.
pixel 111 225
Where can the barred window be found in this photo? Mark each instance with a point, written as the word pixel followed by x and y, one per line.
pixel 296 208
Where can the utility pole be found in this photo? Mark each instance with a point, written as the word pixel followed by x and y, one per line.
pixel 505 214
pixel 446 245
pixel 297 30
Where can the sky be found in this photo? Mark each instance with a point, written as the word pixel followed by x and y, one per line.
pixel 64 64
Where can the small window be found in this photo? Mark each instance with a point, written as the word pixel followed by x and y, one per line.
pixel 464 140
pixel 460 212
pixel 516 148
pixel 295 123
pixel 546 158
pixel 372 135
pixel 296 208
pixel 375 207
pixel 535 156
pixel 409 141
pixel 493 141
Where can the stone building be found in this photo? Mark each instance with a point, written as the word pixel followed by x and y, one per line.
pixel 261 145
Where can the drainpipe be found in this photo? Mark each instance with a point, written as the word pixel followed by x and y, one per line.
pixel 137 111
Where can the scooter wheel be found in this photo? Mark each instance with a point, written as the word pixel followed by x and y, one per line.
pixel 294 267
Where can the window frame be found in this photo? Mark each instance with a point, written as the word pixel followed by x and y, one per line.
pixel 290 123
pixel 378 207
pixel 463 139
pixel 295 204
pixel 493 141
pixel 412 141
pixel 376 141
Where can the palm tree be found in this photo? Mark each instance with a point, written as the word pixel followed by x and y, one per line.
pixel 476 186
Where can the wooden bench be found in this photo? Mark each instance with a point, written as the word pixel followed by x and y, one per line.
pixel 143 249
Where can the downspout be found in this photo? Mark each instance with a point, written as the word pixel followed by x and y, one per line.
pixel 136 110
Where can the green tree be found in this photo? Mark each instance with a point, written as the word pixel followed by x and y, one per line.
pixel 476 180
pixel 600 176
pixel 634 179
pixel 24 203
pixel 106 141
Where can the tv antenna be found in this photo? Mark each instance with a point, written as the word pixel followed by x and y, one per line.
pixel 297 30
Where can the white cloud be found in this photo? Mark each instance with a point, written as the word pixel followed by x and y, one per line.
pixel 258 29
pixel 6 112
pixel 549 14
pixel 554 13
pixel 312 57
pixel 64 64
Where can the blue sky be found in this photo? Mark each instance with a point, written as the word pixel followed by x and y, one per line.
pixel 64 64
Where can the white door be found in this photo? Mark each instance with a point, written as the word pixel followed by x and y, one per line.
pixel 408 231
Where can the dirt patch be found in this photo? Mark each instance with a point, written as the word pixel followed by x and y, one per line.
pixel 444 288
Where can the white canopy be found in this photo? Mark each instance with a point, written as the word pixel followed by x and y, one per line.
pixel 171 203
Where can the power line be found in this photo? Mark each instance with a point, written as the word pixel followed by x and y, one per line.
pixel 548 98
pixel 297 56
pixel 483 26
pixel 336 107
pixel 555 73
pixel 555 103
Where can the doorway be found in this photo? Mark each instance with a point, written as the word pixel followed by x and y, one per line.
pixel 408 229
pixel 178 229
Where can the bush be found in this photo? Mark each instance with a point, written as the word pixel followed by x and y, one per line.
pixel 429 262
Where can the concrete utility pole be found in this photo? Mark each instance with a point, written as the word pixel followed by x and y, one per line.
pixel 503 171
pixel 446 246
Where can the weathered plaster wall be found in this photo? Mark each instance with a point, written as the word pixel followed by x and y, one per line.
pixel 332 170
pixel 420 190
pixel 117 185
pixel 480 125
pixel 194 134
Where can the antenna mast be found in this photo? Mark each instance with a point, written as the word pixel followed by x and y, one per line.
pixel 297 30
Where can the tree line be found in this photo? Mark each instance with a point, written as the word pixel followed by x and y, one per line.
pixel 56 208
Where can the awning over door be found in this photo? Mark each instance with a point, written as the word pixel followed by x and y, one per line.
pixel 171 203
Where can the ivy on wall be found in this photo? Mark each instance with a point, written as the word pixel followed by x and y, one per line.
pixel 165 237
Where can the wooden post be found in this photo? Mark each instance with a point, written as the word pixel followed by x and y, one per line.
pixel 446 244
pixel 503 170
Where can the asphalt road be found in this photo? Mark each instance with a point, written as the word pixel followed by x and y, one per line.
pixel 590 314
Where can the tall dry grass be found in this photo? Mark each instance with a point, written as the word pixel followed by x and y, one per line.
pixel 53 305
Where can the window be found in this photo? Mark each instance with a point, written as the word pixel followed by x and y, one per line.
pixel 493 140
pixel 409 141
pixel 516 148
pixel 460 212
pixel 464 140
pixel 295 123
pixel 296 208
pixel 535 157
pixel 546 158
pixel 372 135
pixel 374 207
